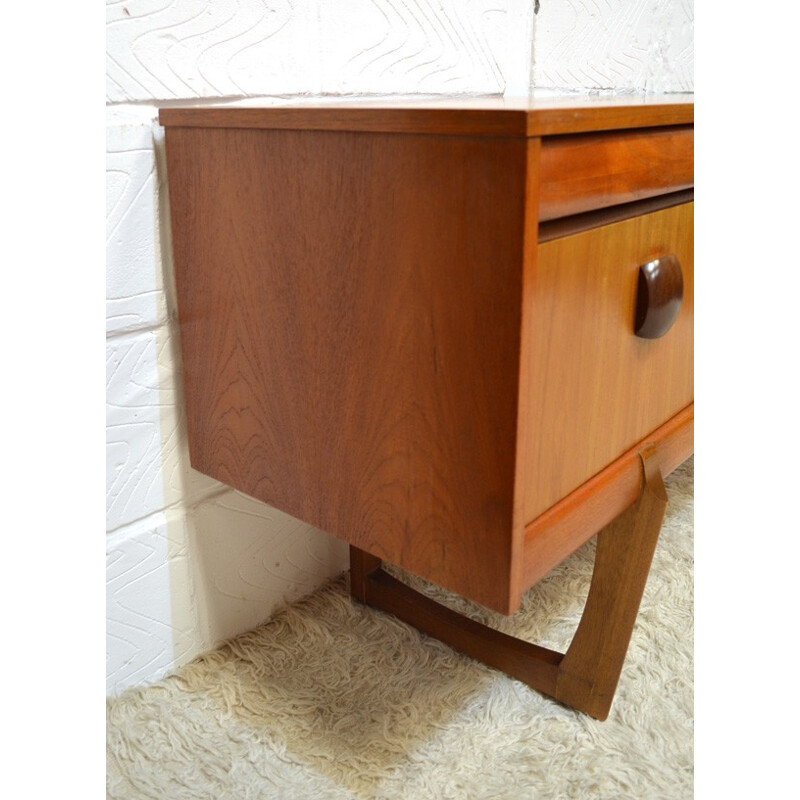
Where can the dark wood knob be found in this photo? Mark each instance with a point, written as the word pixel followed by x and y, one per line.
pixel 659 296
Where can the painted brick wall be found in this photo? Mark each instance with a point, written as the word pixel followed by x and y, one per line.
pixel 190 562
pixel 619 45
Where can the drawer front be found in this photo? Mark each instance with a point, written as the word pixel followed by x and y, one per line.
pixel 595 389
pixel 598 170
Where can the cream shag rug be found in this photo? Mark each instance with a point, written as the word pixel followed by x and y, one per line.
pixel 334 701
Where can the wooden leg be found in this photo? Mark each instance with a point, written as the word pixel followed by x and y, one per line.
pixel 586 676
pixel 590 669
pixel 362 567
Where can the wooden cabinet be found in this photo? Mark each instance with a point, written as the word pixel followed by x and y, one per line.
pixel 414 327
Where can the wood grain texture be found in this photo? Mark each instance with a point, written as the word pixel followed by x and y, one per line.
pixel 589 672
pixel 571 115
pixel 468 117
pixel 590 171
pixel 372 119
pixel 572 521
pixel 350 323
pixel 595 389
pixel 376 341
pixel 524 387
pixel 586 676
pixel 534 665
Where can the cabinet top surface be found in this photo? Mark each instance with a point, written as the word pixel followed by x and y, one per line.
pixel 516 117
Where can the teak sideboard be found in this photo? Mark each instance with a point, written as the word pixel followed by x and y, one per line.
pixel 457 335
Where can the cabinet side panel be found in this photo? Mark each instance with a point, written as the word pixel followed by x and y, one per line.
pixel 349 308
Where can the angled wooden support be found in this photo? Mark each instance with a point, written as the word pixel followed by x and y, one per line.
pixel 586 676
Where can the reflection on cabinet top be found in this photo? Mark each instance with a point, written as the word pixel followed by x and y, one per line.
pixel 452 116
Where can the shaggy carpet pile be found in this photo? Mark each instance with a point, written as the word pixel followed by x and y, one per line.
pixel 330 700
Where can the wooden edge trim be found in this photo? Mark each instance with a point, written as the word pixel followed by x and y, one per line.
pixel 564 527
pixel 529 260
pixel 620 114
pixel 555 121
pixel 578 223
pixel 462 122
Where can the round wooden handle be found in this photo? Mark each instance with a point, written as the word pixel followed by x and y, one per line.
pixel 659 296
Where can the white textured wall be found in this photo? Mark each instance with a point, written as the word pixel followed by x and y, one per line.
pixel 619 45
pixel 191 562
pixel 174 49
